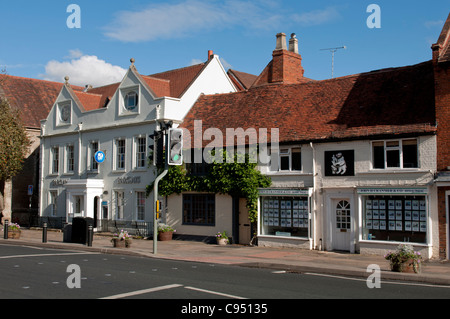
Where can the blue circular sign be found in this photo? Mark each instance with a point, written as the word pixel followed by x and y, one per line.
pixel 100 157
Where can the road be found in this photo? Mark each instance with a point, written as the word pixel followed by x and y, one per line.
pixel 40 273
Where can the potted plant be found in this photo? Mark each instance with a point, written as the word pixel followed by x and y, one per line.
pixel 14 231
pixel 122 239
pixel 165 232
pixel 222 238
pixel 404 259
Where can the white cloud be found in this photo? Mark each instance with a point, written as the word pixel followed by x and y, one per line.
pixel 83 70
pixel 316 17
pixel 164 21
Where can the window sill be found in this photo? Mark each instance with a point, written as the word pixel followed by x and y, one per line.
pixel 394 171
pixel 288 173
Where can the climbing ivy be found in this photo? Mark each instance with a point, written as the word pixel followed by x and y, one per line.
pixel 237 178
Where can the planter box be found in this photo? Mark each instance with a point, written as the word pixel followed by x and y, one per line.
pixel 117 243
pixel 13 234
pixel 407 266
pixel 166 236
pixel 222 241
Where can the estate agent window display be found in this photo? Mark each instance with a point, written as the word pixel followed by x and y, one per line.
pixel 285 216
pixel 395 218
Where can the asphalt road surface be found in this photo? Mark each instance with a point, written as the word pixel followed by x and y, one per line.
pixel 40 273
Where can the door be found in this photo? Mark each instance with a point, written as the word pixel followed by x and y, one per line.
pixel 245 234
pixel 342 221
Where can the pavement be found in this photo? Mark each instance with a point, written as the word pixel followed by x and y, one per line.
pixel 279 259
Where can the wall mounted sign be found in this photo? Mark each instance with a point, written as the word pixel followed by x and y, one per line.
pixel 128 180
pixel 100 157
pixel 340 163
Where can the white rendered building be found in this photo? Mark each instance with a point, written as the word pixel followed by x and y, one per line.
pixel 117 120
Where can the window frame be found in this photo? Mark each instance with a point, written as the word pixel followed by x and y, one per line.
pixel 189 217
pixel 69 159
pixel 140 153
pixel 387 149
pixel 93 165
pixel 54 168
pixel 289 156
pixel 140 205
pixel 118 162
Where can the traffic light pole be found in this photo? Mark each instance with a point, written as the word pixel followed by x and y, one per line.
pixel 155 198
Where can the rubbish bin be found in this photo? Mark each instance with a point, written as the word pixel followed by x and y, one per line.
pixel 80 229
pixel 67 233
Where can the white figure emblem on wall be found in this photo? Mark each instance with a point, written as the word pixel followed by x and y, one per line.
pixel 338 165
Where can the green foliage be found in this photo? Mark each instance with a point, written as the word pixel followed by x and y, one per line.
pixel 239 178
pixel 14 141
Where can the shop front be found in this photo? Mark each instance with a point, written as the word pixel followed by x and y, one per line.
pixel 285 218
pixel 393 216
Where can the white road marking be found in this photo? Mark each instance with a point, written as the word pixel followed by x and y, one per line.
pixel 383 282
pixel 143 291
pixel 215 293
pixel 45 255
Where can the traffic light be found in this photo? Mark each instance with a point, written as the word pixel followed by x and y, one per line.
pixel 157 148
pixel 175 146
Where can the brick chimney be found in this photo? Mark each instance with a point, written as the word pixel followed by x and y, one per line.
pixel 286 64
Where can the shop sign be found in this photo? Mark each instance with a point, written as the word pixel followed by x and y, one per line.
pixel 283 192
pixel 129 180
pixel 391 191
pixel 340 163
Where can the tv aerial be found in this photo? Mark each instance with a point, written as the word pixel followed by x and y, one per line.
pixel 333 51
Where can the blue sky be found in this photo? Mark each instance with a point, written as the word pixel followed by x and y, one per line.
pixel 36 42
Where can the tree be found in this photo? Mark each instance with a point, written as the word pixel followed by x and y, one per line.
pixel 14 143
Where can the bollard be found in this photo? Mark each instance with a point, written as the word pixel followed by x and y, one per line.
pixel 5 229
pixel 90 235
pixel 44 233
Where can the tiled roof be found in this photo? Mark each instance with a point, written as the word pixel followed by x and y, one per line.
pixel 34 98
pixel 241 80
pixel 180 79
pixel 380 103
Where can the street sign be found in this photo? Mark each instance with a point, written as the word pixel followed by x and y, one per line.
pixel 30 190
pixel 100 157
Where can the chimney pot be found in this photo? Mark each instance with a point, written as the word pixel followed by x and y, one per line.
pixel 210 54
pixel 293 43
pixel 281 41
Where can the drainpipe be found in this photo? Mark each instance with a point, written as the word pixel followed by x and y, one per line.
pixel 80 127
pixel 41 181
pixel 313 219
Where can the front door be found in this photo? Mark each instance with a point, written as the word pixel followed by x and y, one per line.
pixel 245 234
pixel 342 221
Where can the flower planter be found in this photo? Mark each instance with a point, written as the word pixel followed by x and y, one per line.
pixel 165 236
pixel 407 266
pixel 13 234
pixel 118 243
pixel 222 241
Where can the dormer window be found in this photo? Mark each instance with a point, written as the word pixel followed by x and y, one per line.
pixel 131 101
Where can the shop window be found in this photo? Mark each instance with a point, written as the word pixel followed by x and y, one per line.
pixel 199 209
pixel 284 216
pixel 395 218
pixel 395 154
